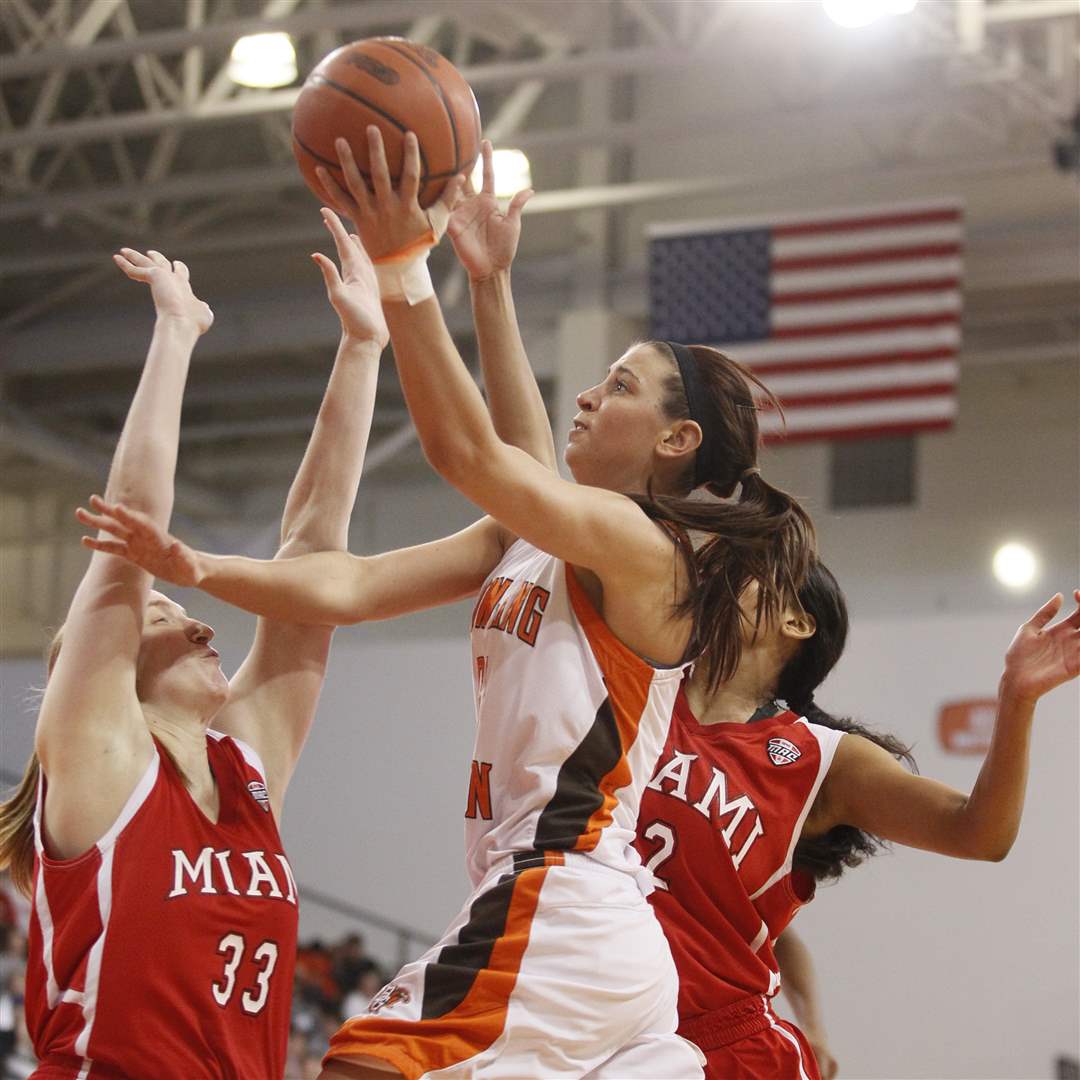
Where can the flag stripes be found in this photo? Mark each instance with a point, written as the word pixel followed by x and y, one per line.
pixel 851 316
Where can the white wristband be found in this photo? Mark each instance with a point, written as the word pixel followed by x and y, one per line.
pixel 409 281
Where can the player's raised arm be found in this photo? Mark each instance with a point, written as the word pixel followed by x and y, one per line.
pixel 486 239
pixel 583 526
pixel 275 691
pixel 91 737
pixel 867 788
pixel 326 588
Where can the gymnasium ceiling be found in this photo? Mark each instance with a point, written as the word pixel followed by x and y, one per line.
pixel 119 125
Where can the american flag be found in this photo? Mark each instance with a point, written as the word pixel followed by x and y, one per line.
pixel 851 317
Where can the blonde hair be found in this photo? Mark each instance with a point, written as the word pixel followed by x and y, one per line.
pixel 17 812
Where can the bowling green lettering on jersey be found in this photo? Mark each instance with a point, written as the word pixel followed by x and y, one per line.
pixel 519 611
pixel 710 799
pixel 478 803
pixel 228 873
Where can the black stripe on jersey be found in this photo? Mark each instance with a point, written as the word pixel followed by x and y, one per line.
pixel 577 791
pixel 449 978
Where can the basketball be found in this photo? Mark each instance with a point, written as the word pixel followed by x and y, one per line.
pixel 400 86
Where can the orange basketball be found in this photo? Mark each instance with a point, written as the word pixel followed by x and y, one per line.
pixel 400 86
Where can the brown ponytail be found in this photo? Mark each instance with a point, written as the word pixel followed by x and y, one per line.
pixel 17 829
pixel 17 812
pixel 762 536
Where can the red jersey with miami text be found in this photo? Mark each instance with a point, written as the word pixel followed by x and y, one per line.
pixel 718 827
pixel 167 950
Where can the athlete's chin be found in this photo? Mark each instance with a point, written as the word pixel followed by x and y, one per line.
pixel 577 462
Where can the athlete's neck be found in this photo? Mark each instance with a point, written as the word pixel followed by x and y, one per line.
pixel 184 737
pixel 736 700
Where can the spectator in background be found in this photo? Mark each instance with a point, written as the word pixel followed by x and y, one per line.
pixel 351 961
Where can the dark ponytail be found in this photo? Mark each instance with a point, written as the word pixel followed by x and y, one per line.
pixel 826 857
pixel 763 535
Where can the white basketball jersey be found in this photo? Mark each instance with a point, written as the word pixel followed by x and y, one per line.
pixel 570 721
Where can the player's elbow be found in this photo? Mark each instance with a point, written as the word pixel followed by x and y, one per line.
pixel 457 458
pixel 996 852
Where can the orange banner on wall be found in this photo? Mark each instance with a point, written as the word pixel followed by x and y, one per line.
pixel 965 727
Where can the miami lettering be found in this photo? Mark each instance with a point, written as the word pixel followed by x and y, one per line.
pixel 227 873
pixel 727 814
pixel 518 611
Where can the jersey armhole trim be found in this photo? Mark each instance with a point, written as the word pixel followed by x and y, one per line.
pixel 248 752
pixel 827 739
pixel 603 642
pixel 130 808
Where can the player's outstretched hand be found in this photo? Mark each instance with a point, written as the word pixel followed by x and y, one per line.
pixel 170 286
pixel 390 220
pixel 141 541
pixel 1043 656
pixel 484 236
pixel 353 291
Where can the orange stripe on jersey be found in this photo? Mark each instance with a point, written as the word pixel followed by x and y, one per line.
pixel 628 679
pixel 416 1047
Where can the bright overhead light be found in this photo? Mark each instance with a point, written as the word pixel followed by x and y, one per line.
pixel 263 60
pixel 512 172
pixel 1015 565
pixel 852 13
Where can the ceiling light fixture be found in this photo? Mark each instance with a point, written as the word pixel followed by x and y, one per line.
pixel 263 61
pixel 853 13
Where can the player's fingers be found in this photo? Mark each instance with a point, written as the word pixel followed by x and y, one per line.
pixel 517 203
pixel 334 195
pixel 358 184
pixel 380 171
pixel 453 192
pixel 349 252
pixel 181 270
pixel 136 273
pixel 329 270
pixel 101 506
pixel 110 547
pixel 1043 616
pixel 409 186
pixel 100 521
pixel 129 518
pixel 136 257
pixel 489 167
pixel 159 259
pixel 1074 619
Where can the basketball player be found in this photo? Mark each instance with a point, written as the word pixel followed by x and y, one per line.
pixel 163 928
pixel 535 977
pixel 704 907
pixel 759 793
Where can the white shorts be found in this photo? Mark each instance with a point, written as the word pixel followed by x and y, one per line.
pixel 555 970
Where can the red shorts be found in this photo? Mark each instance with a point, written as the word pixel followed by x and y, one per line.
pixel 748 1041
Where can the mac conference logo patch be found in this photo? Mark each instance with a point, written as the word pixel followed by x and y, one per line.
pixel 257 790
pixel 782 752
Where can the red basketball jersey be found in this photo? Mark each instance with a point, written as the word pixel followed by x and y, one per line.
pixel 718 826
pixel 167 950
